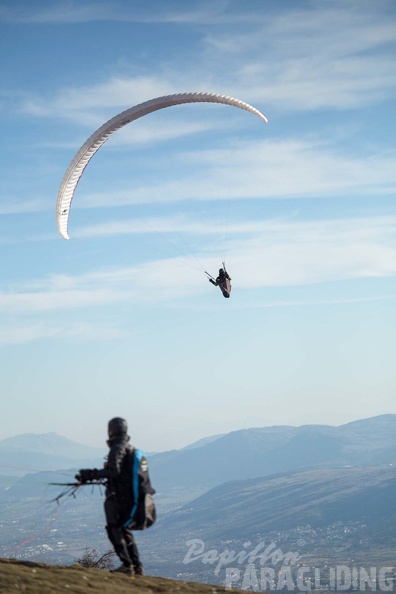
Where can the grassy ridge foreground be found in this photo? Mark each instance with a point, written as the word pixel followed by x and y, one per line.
pixel 40 578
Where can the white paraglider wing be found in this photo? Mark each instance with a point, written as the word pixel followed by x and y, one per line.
pixel 95 141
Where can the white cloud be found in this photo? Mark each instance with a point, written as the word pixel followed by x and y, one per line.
pixel 300 60
pixel 315 169
pixel 338 55
pixel 293 253
pixel 15 332
pixel 68 12
pixel 87 105
pixel 10 205
pixel 260 255
pixel 257 170
pixel 97 289
pixel 205 12
pixel 281 254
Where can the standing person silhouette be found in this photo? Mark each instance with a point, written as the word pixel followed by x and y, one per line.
pixel 126 468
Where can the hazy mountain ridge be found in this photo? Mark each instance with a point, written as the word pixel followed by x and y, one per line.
pixel 343 515
pixel 285 501
pixel 202 442
pixel 47 443
pixel 258 452
pixel 32 452
pixel 246 453
pixel 331 516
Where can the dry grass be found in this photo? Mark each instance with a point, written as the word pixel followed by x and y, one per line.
pixel 39 578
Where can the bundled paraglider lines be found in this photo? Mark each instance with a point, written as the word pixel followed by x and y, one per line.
pixel 71 489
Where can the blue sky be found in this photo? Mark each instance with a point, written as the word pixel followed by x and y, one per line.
pixel 121 320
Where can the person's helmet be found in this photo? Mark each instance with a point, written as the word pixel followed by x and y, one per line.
pixel 221 272
pixel 117 427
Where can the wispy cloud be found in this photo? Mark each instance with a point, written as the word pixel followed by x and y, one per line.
pixel 286 254
pixel 261 254
pixel 9 205
pixel 91 105
pixel 16 332
pixel 69 12
pixel 294 253
pixel 313 64
pixel 257 170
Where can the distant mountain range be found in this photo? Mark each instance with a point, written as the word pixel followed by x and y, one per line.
pixel 250 453
pixel 243 454
pixel 48 443
pixel 329 516
pixel 336 483
pixel 285 501
pixel 49 451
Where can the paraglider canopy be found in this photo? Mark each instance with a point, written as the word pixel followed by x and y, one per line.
pixel 98 138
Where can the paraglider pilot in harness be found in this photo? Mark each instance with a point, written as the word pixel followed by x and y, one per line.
pixel 222 281
pixel 125 467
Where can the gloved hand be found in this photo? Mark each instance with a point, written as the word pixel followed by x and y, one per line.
pixel 84 475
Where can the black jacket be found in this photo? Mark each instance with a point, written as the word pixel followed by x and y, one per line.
pixel 223 281
pixel 118 468
pixel 126 471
